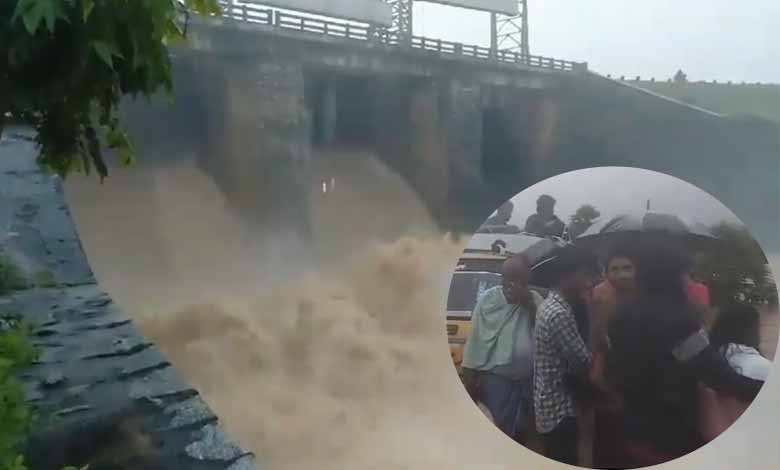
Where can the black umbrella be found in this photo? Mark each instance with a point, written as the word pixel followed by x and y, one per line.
pixel 629 229
pixel 669 224
pixel 626 228
pixel 543 271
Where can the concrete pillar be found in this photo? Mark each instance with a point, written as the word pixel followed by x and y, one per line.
pixel 463 127
pixel 329 110
pixel 265 144
pixel 427 146
pixel 464 134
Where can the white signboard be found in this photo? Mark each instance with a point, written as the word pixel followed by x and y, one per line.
pixel 367 11
pixel 505 7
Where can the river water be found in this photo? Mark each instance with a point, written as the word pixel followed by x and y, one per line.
pixel 328 352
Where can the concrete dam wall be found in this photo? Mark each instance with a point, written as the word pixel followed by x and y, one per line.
pixel 265 113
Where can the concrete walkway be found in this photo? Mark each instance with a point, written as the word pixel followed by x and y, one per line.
pixel 105 394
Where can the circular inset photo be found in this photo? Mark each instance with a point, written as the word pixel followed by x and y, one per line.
pixel 613 318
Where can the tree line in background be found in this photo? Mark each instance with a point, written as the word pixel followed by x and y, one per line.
pixel 739 270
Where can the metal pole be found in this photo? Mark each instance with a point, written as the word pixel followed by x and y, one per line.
pixel 526 48
pixel 410 20
pixel 493 33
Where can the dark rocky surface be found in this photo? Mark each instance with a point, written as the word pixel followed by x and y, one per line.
pixel 105 394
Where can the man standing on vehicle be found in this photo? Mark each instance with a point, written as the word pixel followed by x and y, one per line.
pixel 503 214
pixel 499 223
pixel 561 355
pixel 497 360
pixel 544 223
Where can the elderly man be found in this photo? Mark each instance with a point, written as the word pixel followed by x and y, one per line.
pixel 498 357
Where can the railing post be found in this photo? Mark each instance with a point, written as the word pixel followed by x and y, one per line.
pixel 277 19
pixel 458 49
pixel 348 31
pixel 438 45
pixel 327 31
pixel 244 15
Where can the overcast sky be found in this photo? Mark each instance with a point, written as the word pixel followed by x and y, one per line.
pixel 619 190
pixel 709 39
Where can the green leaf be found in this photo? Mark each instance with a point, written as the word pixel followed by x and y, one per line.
pixel 87 6
pixel 33 12
pixel 120 143
pixel 129 36
pixel 106 52
pixel 18 463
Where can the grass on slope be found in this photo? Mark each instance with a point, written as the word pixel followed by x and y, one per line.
pixel 735 99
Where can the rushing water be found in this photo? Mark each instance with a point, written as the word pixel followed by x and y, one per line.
pixel 326 353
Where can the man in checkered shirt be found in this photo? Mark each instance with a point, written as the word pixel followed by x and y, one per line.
pixel 560 351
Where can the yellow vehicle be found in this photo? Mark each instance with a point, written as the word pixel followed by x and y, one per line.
pixel 475 274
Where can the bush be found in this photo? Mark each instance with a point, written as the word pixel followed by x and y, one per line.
pixel 16 415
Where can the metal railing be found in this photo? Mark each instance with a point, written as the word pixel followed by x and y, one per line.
pixel 251 13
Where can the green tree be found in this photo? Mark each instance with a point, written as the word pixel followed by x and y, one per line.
pixel 582 219
pixel 66 64
pixel 738 269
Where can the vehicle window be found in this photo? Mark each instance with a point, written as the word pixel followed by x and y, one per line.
pixel 466 287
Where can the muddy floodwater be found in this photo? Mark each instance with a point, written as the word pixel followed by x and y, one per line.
pixel 326 352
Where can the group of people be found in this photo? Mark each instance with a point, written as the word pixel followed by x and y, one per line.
pixel 630 372
pixel 543 223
